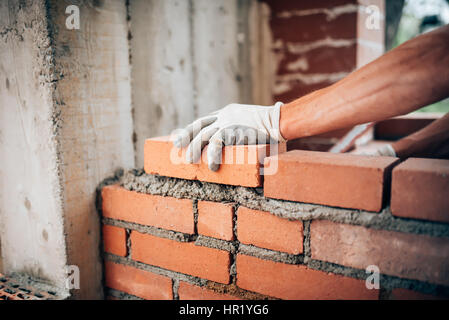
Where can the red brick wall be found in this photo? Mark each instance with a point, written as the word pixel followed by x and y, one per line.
pixel 316 43
pixel 343 213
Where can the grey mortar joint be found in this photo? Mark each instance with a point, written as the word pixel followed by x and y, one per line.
pixel 215 243
pixel 175 288
pixel 306 241
pixel 271 255
pixel 137 180
pixel 128 243
pixel 122 295
pixel 195 216
pixel 157 270
pixel 233 262
pixel 158 232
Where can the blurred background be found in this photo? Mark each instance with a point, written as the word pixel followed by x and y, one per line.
pixel 418 16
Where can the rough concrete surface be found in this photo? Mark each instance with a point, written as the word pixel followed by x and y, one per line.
pixel 200 62
pixel 31 199
pixel 93 100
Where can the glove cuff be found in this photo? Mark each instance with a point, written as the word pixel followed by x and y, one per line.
pixel 389 151
pixel 276 134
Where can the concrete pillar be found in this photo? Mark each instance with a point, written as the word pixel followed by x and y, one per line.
pixel 66 125
pixel 31 199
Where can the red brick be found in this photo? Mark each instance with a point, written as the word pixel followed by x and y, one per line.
pixel 216 220
pixel 399 127
pixel 320 60
pixel 188 291
pixel 341 180
pixel 114 240
pixel 138 282
pixel 184 257
pixel 420 189
pixel 290 282
pixel 263 229
pixel 405 294
pixel 313 27
pixel 162 212
pixel 405 255
pixel 242 166
pixel 298 89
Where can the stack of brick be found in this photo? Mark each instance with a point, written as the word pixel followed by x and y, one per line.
pixel 310 229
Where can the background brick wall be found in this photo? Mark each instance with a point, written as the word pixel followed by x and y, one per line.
pixel 316 43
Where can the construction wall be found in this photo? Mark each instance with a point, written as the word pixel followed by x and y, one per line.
pixel 77 104
pixel 320 236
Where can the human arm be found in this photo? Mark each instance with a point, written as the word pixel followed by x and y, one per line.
pixel 408 77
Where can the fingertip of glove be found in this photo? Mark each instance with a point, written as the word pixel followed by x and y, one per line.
pixel 213 166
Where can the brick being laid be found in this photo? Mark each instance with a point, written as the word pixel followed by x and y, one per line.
pixel 241 164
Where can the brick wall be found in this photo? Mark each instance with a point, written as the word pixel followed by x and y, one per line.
pixel 309 230
pixel 316 43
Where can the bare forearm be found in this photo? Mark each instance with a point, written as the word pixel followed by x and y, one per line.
pixel 433 140
pixel 405 79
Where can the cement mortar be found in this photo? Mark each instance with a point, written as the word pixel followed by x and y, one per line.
pixel 163 272
pixel 137 180
pixel 269 254
pixel 161 233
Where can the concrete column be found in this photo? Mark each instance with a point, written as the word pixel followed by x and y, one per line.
pixel 31 195
pixel 66 125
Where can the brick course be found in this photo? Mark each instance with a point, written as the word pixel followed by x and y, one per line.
pixel 263 229
pixel 341 180
pixel 184 257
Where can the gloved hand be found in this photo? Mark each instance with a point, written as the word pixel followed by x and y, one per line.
pixel 233 125
pixel 386 150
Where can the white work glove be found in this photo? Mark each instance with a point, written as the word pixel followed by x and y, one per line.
pixel 385 150
pixel 233 125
